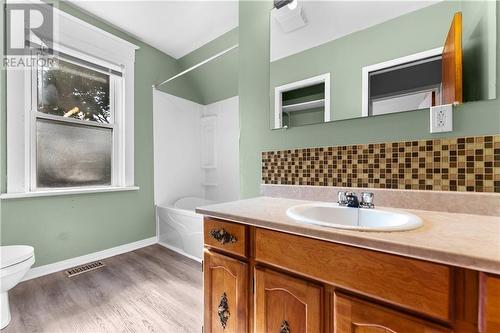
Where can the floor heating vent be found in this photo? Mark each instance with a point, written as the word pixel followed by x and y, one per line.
pixel 84 268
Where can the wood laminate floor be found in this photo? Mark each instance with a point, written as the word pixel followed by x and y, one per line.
pixel 148 290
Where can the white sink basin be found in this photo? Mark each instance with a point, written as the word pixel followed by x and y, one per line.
pixel 335 216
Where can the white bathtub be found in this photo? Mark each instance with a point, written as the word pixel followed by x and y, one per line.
pixel 180 228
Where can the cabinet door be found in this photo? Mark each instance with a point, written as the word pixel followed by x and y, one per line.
pixel 356 316
pixel 286 305
pixel 225 287
pixel 490 303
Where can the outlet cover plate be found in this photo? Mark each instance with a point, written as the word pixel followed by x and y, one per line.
pixel 441 118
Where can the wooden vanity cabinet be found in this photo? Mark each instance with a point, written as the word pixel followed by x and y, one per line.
pixel 285 304
pixel 262 281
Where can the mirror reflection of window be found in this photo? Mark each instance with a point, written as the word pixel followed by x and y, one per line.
pixel 411 86
pixel 303 102
pixel 304 106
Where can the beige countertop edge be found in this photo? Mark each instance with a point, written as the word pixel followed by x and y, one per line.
pixel 411 251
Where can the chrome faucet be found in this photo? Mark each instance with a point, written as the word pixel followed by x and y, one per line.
pixel 367 200
pixel 341 198
pixel 350 199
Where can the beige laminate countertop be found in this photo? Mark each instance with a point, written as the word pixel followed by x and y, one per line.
pixel 464 240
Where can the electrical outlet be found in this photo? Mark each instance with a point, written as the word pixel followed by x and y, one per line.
pixel 441 118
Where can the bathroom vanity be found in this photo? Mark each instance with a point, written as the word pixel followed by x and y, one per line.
pixel 265 272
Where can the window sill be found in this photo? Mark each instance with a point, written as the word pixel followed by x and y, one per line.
pixel 4 196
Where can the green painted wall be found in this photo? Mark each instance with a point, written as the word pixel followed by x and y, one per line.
pixel 211 48
pixel 475 118
pixel 214 81
pixel 69 226
pixel 183 86
pixel 415 32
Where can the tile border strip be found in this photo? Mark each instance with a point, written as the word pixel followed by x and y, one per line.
pixel 462 164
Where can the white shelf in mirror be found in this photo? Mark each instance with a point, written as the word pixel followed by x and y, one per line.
pixel 304 105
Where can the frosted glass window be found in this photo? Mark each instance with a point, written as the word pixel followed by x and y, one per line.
pixel 74 91
pixel 69 155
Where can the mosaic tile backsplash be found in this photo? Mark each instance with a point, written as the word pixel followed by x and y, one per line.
pixel 467 164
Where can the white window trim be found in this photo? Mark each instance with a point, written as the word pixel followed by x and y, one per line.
pixel 116 88
pixel 365 72
pixel 68 191
pixel 278 96
pixel 89 43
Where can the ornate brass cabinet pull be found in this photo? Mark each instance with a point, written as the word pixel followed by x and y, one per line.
pixel 223 236
pixel 285 328
pixel 223 311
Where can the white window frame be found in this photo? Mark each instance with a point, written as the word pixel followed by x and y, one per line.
pixel 365 73
pixel 116 106
pixel 278 96
pixel 88 43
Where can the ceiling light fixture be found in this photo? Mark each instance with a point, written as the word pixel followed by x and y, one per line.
pixel 289 16
pixel 281 3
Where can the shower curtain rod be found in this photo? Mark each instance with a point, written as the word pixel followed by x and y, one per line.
pixel 155 86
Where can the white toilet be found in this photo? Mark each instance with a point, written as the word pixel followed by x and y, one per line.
pixel 15 261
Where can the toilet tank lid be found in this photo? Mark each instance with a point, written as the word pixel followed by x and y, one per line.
pixel 14 254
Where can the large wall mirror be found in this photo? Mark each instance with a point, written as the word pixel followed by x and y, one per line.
pixel 336 60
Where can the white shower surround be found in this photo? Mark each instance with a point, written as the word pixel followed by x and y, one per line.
pixel 177 172
pixel 183 169
pixel 177 149
pixel 227 137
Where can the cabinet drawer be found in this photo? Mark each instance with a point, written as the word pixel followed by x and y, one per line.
pixel 355 316
pixel 414 284
pixel 226 236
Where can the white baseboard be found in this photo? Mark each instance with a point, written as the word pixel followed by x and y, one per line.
pixel 72 262
pixel 176 249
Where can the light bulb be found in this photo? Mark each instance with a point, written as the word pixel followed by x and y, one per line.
pixel 292 5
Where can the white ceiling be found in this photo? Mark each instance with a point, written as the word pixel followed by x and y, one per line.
pixel 329 20
pixel 174 27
